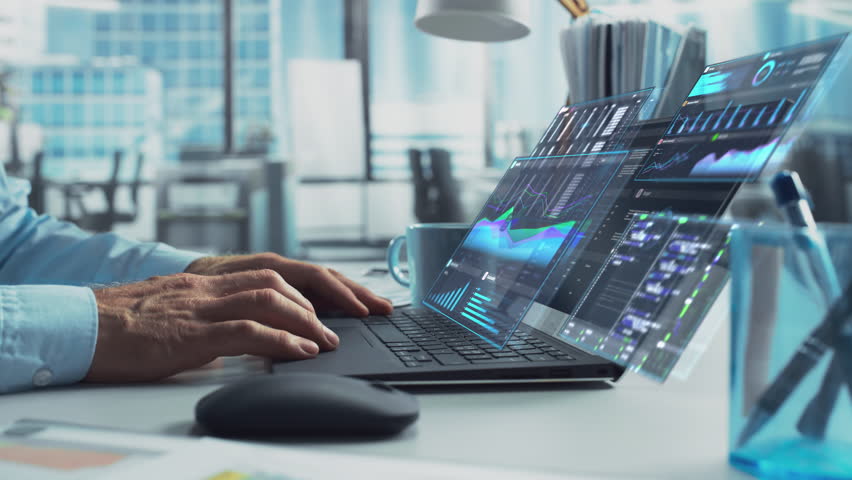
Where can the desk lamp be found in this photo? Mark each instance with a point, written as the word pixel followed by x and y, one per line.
pixel 482 20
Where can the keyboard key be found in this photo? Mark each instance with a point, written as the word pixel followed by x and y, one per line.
pixel 405 349
pixel 430 343
pixel 423 357
pixel 450 359
pixel 430 348
pixel 479 356
pixel 528 351
pixel 563 356
pixel 504 354
pixel 388 333
pixel 406 358
pixel 400 344
pixel 412 364
pixel 440 351
pixel 539 358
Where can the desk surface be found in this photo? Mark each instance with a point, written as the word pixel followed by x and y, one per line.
pixel 634 429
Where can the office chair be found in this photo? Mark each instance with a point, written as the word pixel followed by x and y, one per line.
pixel 436 197
pixel 106 220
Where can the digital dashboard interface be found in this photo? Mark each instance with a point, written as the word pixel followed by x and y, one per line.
pixel 736 115
pixel 656 286
pixel 603 125
pixel 540 209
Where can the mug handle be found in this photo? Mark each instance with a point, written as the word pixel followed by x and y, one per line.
pixel 393 261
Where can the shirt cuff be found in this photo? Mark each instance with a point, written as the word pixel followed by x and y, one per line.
pixel 47 335
pixel 165 260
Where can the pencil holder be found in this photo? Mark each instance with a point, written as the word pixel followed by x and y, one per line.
pixel 791 364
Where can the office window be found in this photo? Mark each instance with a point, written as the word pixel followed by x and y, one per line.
pixel 195 78
pixel 214 22
pixel 260 78
pixel 149 52
pixel 118 83
pixel 149 22
pixel 171 22
pixel 99 146
pixel 78 83
pixel 137 79
pixel 243 50
pixel 192 22
pixel 126 49
pixel 37 113
pixel 98 83
pixel 171 50
pixel 76 146
pixel 128 22
pixel 57 146
pixel 78 117
pixel 139 115
pixel 171 78
pixel 57 82
pixel 102 22
pixel 193 50
pixel 118 118
pixel 214 77
pixel 261 22
pixel 261 50
pixel 102 48
pixel 425 92
pixel 38 82
pixel 57 115
pixel 211 50
pixel 98 115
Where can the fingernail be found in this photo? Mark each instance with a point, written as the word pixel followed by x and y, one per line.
pixel 309 347
pixel 331 336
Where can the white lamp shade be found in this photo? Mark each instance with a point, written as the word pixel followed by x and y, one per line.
pixel 474 20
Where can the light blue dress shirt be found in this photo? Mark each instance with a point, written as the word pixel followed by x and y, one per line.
pixel 48 314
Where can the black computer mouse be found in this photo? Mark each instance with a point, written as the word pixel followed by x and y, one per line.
pixel 306 403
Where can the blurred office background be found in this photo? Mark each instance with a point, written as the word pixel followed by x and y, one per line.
pixel 300 128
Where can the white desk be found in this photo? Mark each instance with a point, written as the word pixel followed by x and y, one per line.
pixel 637 429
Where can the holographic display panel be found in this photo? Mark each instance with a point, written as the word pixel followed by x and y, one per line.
pixel 737 114
pixel 652 293
pixel 540 210
pixel 603 125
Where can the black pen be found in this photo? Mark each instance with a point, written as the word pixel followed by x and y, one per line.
pixel 823 337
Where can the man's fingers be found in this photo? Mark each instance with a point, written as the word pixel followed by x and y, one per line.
pixel 258 280
pixel 338 294
pixel 376 304
pixel 269 307
pixel 246 337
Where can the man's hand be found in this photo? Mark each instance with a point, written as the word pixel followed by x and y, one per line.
pixel 325 288
pixel 164 325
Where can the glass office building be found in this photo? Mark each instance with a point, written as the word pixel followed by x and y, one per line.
pixel 184 40
pixel 87 111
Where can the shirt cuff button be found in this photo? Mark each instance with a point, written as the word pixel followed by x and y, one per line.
pixel 42 377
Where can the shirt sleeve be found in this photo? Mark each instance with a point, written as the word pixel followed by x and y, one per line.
pixel 43 250
pixel 47 335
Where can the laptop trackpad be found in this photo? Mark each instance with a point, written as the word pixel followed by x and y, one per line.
pixel 356 355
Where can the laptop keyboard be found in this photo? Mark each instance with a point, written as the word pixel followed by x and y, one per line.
pixel 422 337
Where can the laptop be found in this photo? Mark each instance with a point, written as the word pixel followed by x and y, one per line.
pixel 422 346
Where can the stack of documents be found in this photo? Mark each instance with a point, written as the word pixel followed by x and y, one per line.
pixel 605 56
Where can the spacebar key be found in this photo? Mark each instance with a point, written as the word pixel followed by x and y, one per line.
pixel 388 333
pixel 450 359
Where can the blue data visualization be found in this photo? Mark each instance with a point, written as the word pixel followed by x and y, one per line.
pixel 538 212
pixel 737 114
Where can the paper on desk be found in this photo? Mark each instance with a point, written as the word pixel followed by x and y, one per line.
pixel 215 459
